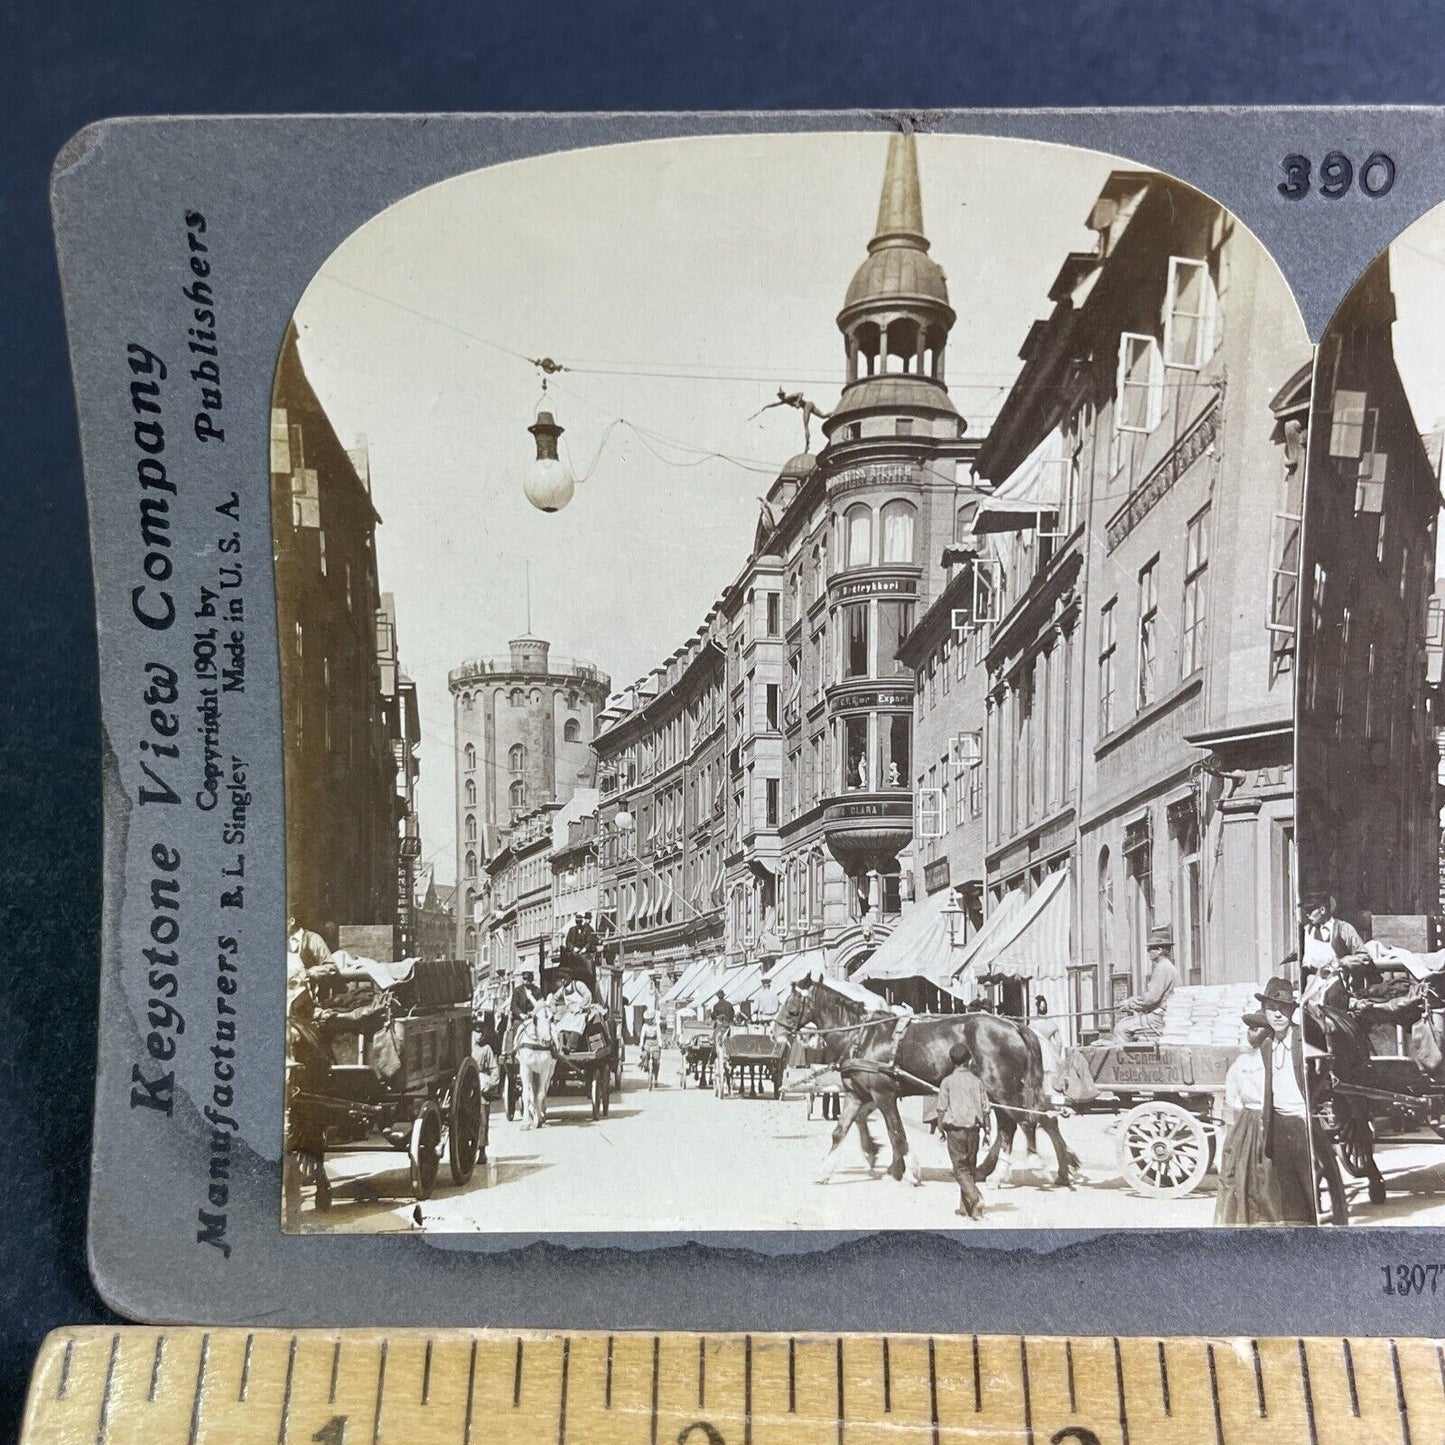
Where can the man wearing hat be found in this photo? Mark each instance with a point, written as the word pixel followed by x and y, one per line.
pixel 1286 1114
pixel 962 1111
pixel 1141 1016
pixel 1326 938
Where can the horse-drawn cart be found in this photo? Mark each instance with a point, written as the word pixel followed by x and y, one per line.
pixel 414 1085
pixel 746 1059
pixel 592 1059
pixel 1168 1097
pixel 697 1041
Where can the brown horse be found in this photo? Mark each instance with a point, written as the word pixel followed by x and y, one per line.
pixel 886 1056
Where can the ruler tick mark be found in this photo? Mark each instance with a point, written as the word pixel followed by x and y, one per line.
pixel 702 1374
pixel 1400 1403
pixel 246 1368
pixel 471 1395
pixel 1119 1385
pixel 933 1389
pixel 887 1379
pixel 335 1370
pixel 517 1376
pixel 607 1386
pixel 1439 1358
pixel 63 1387
pixel 792 1376
pixel 747 1390
pixel 1309 1394
pixel 156 1369
pixel 842 1402
pixel 656 1374
pixel 977 1379
pixel 562 1402
pixel 1069 1372
pixel 380 1387
pixel 103 1424
pixel 1214 1394
pixel 1028 1398
pixel 1164 1380
pixel 1258 1379
pixel 286 1393
pixel 200 1387
pixel 1350 1378
pixel 426 1375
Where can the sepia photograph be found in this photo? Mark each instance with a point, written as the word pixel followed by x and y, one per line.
pixel 790 647
pixel 1371 1036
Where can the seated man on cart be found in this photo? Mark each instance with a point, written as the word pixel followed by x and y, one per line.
pixel 1141 1016
pixel 573 1007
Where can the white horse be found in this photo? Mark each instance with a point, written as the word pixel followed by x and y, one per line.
pixel 536 1060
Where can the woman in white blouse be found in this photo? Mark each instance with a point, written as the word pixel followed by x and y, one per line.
pixel 1244 1184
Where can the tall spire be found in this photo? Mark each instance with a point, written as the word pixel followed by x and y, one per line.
pixel 900 206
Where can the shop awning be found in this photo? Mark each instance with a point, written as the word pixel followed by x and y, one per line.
pixel 919 947
pixel 1035 943
pixel 1034 490
pixel 794 966
pixel 690 975
pixel 993 928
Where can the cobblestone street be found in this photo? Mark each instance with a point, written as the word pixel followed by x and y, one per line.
pixel 678 1158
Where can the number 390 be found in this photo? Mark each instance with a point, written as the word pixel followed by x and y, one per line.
pixel 1375 178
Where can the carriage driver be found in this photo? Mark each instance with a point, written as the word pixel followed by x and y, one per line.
pixel 1141 1016
pixel 306 944
pixel 525 997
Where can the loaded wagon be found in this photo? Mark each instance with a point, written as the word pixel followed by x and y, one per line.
pixel 746 1058
pixel 413 1086
pixel 698 1042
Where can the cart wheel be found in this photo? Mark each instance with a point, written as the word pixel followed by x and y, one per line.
pixel 511 1094
pixel 606 1092
pixel 1163 1149
pixel 464 1121
pixel 597 1087
pixel 425 1150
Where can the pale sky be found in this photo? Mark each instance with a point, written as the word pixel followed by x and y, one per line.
pixel 723 258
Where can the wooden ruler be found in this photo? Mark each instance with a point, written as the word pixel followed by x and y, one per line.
pixel 141 1386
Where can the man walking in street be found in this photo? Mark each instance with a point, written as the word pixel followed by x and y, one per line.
pixel 962 1113
pixel 1290 1182
pixel 1141 1016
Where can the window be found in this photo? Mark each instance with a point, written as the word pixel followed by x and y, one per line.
pixel 1190 313
pixel 518 794
pixel 930 813
pixel 897 532
pixel 471 871
pixel 1106 912
pixel 1139 868
pixel 895 734
pixel 1196 567
pixel 1108 652
pixel 1140 384
pixel 855 753
pixel 770 786
pixel 774 614
pixel 517 757
pixel 515 697
pixel 1347 424
pixel 471 793
pixel 770 706
pixel 470 754
pixel 858 527
pixel 895 621
pixel 855 639
pixel 470 828
pixel 1148 632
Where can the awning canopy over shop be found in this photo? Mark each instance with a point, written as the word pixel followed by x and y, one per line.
pixel 796 966
pixel 740 983
pixel 993 928
pixel 1032 491
pixel 683 987
pixel 919 947
pixel 1035 942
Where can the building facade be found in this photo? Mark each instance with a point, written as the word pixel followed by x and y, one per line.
pixel 523 728
pixel 403 722
pixel 662 819
pixel 342 728
pixel 1368 753
pixel 573 863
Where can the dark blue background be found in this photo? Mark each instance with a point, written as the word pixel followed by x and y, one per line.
pixel 62 66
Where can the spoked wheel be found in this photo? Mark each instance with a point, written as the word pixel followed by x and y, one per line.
pixel 512 1093
pixel 464 1121
pixel 424 1150
pixel 1163 1149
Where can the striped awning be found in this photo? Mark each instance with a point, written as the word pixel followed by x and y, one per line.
pixel 919 947
pixel 994 927
pixel 1035 942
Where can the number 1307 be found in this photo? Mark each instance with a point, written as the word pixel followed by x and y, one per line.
pixel 1408 1279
